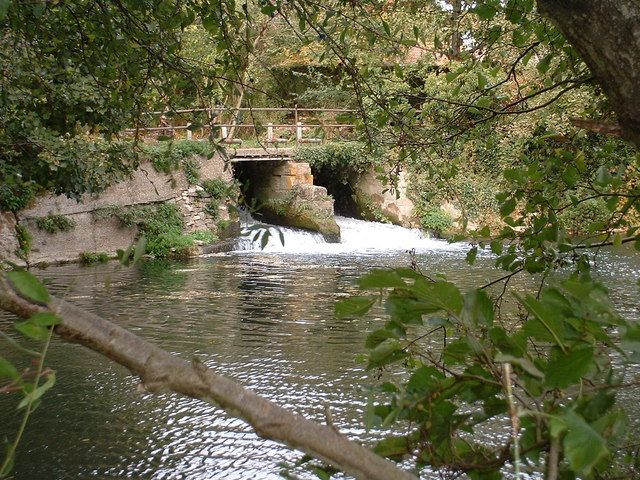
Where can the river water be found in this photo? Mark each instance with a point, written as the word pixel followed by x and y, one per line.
pixel 262 317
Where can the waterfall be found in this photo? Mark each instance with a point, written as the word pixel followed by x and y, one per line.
pixel 357 236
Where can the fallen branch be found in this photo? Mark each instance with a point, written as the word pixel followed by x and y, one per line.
pixel 611 129
pixel 160 371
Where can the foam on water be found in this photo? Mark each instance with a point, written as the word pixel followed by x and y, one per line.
pixel 356 236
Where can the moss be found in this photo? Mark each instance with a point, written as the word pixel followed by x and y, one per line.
pixel 301 214
pixel 55 223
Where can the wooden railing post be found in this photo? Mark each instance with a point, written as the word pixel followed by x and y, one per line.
pixel 270 133
pixel 298 132
pixel 189 132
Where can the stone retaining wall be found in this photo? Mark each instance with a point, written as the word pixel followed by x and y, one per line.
pixel 95 233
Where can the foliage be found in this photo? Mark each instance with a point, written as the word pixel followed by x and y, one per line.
pixel 343 159
pixel 203 236
pixel 436 220
pixel 15 193
pixel 368 208
pixel 161 225
pixel 579 219
pixel 92 258
pixel 25 240
pixel 212 208
pixel 168 157
pixel 454 350
pixel 55 223
pixel 216 188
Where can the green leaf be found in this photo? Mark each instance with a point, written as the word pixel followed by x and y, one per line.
pixel 353 306
pixel 507 207
pixel 471 255
pixel 424 379
pixel 444 295
pixel 36 332
pixel 478 308
pixel 392 447
pixel 140 249
pixel 387 352
pixel 376 337
pixel 7 370
pixel 584 447
pixel 523 363
pixel 35 395
pixel 565 369
pixel 485 11
pixel 380 278
pixel 549 319
pixel 44 319
pixel 4 8
pixel 29 286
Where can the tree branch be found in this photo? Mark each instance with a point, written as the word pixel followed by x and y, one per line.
pixel 161 371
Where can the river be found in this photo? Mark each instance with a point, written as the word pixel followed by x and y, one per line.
pixel 263 317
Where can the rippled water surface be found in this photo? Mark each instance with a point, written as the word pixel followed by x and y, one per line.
pixel 263 318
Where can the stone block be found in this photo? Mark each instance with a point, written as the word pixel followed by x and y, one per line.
pixel 283 182
pixel 292 168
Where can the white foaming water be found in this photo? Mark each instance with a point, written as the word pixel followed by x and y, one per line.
pixel 356 236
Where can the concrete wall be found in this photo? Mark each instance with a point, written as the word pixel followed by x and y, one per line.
pixel 398 209
pixel 92 232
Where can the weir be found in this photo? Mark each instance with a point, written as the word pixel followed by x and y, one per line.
pixel 357 237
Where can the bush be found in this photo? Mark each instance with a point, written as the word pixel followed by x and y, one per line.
pixel 343 159
pixel 587 217
pixel 436 220
pixel 25 241
pixel 55 223
pixel 15 194
pixel 191 170
pixel 92 258
pixel 216 188
pixel 169 157
pixel 203 236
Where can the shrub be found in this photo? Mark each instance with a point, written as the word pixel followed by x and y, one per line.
pixel 168 157
pixel 216 188
pixel 212 208
pixel 343 159
pixel 14 194
pixel 191 170
pixel 436 220
pixel 203 236
pixel 25 241
pixel 55 223
pixel 92 258
pixel 587 217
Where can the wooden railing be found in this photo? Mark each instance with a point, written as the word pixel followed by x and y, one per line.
pixel 223 123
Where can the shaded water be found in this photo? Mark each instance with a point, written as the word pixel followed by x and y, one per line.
pixel 263 318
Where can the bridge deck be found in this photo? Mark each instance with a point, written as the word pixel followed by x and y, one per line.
pixel 260 154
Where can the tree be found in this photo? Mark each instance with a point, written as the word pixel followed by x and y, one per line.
pixel 554 364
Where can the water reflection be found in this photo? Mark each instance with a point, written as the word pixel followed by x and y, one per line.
pixel 263 319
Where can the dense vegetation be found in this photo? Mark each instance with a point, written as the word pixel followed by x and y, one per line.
pixel 476 100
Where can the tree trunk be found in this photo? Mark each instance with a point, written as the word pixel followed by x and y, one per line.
pixel 161 371
pixel 606 34
pixel 455 45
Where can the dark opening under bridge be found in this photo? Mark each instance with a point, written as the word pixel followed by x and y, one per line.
pixel 274 141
